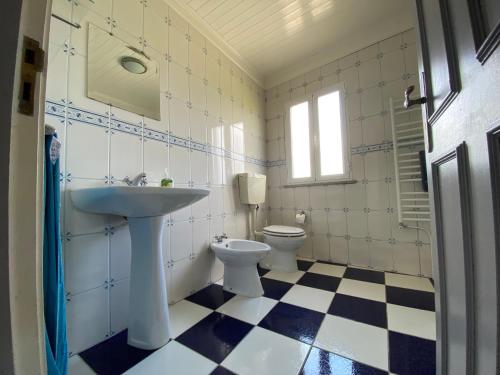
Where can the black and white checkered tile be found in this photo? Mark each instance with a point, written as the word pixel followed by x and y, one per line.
pixel 323 319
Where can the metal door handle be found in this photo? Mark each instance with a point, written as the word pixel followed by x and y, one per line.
pixel 411 102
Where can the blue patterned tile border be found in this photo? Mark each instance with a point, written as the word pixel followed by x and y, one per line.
pixel 156 135
pixel 87 117
pixel 55 109
pixel 276 163
pixel 371 148
pixel 60 110
pixel 126 127
pixel 354 151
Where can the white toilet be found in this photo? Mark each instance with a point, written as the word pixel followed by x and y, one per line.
pixel 240 258
pixel 285 242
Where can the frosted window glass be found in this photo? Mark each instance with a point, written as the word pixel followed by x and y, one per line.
pixel 330 134
pixel 299 129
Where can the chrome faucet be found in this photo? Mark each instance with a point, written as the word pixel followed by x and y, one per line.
pixel 220 238
pixel 140 179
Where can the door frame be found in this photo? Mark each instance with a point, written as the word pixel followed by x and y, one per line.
pixel 9 30
pixel 22 171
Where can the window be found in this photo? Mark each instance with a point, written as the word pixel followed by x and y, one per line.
pixel 316 138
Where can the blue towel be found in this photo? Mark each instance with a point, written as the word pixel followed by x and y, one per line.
pixel 53 274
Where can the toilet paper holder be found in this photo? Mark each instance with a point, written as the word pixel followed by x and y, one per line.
pixel 300 217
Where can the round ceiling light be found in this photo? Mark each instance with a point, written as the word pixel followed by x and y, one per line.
pixel 133 65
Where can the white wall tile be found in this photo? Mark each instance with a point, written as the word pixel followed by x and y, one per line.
pixel 155 28
pixel 319 221
pixel 119 253
pixel 199 163
pixel 88 319
pixel 119 305
pixel 79 161
pixel 180 240
pixel 179 162
pixel 381 255
pixel 179 116
pixel 379 225
pixel 369 72
pixel 321 247
pixel 406 258
pixel 355 196
pixel 155 160
pixel 337 223
pixel 357 223
pixel 128 16
pixel 359 252
pixel 201 236
pixel 125 157
pixel 87 258
pixel 339 251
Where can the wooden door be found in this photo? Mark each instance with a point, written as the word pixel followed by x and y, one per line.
pixel 459 66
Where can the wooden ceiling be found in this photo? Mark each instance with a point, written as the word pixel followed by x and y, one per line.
pixel 276 35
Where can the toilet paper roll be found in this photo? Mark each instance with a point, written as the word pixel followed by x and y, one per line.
pixel 300 218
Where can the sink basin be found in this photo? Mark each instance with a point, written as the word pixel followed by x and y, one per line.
pixel 135 201
pixel 144 207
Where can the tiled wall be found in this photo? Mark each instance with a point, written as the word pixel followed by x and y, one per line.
pixel 212 127
pixel 355 224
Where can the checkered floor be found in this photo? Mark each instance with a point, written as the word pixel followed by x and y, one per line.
pixel 323 319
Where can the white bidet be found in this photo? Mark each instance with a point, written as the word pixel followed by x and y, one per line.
pixel 240 258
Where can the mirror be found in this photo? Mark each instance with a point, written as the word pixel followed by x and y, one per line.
pixel 121 75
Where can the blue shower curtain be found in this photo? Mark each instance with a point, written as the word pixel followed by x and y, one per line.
pixel 53 276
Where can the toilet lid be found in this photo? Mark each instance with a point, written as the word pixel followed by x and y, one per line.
pixel 283 231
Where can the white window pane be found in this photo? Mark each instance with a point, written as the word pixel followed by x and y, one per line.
pixel 330 134
pixel 299 129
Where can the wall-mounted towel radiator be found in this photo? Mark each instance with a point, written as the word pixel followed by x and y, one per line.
pixel 408 142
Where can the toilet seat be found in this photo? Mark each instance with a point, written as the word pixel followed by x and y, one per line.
pixel 283 231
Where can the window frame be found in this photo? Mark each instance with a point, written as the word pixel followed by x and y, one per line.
pixel 314 141
pixel 288 140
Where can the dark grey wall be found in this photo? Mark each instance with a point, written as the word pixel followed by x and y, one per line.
pixel 10 12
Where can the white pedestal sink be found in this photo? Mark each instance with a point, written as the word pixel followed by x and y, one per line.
pixel 144 207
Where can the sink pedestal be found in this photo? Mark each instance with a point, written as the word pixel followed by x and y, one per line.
pixel 148 319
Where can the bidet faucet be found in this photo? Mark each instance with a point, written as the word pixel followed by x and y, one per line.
pixel 140 179
pixel 220 238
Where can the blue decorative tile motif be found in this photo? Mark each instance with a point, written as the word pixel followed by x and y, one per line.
pixel 60 110
pixel 87 117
